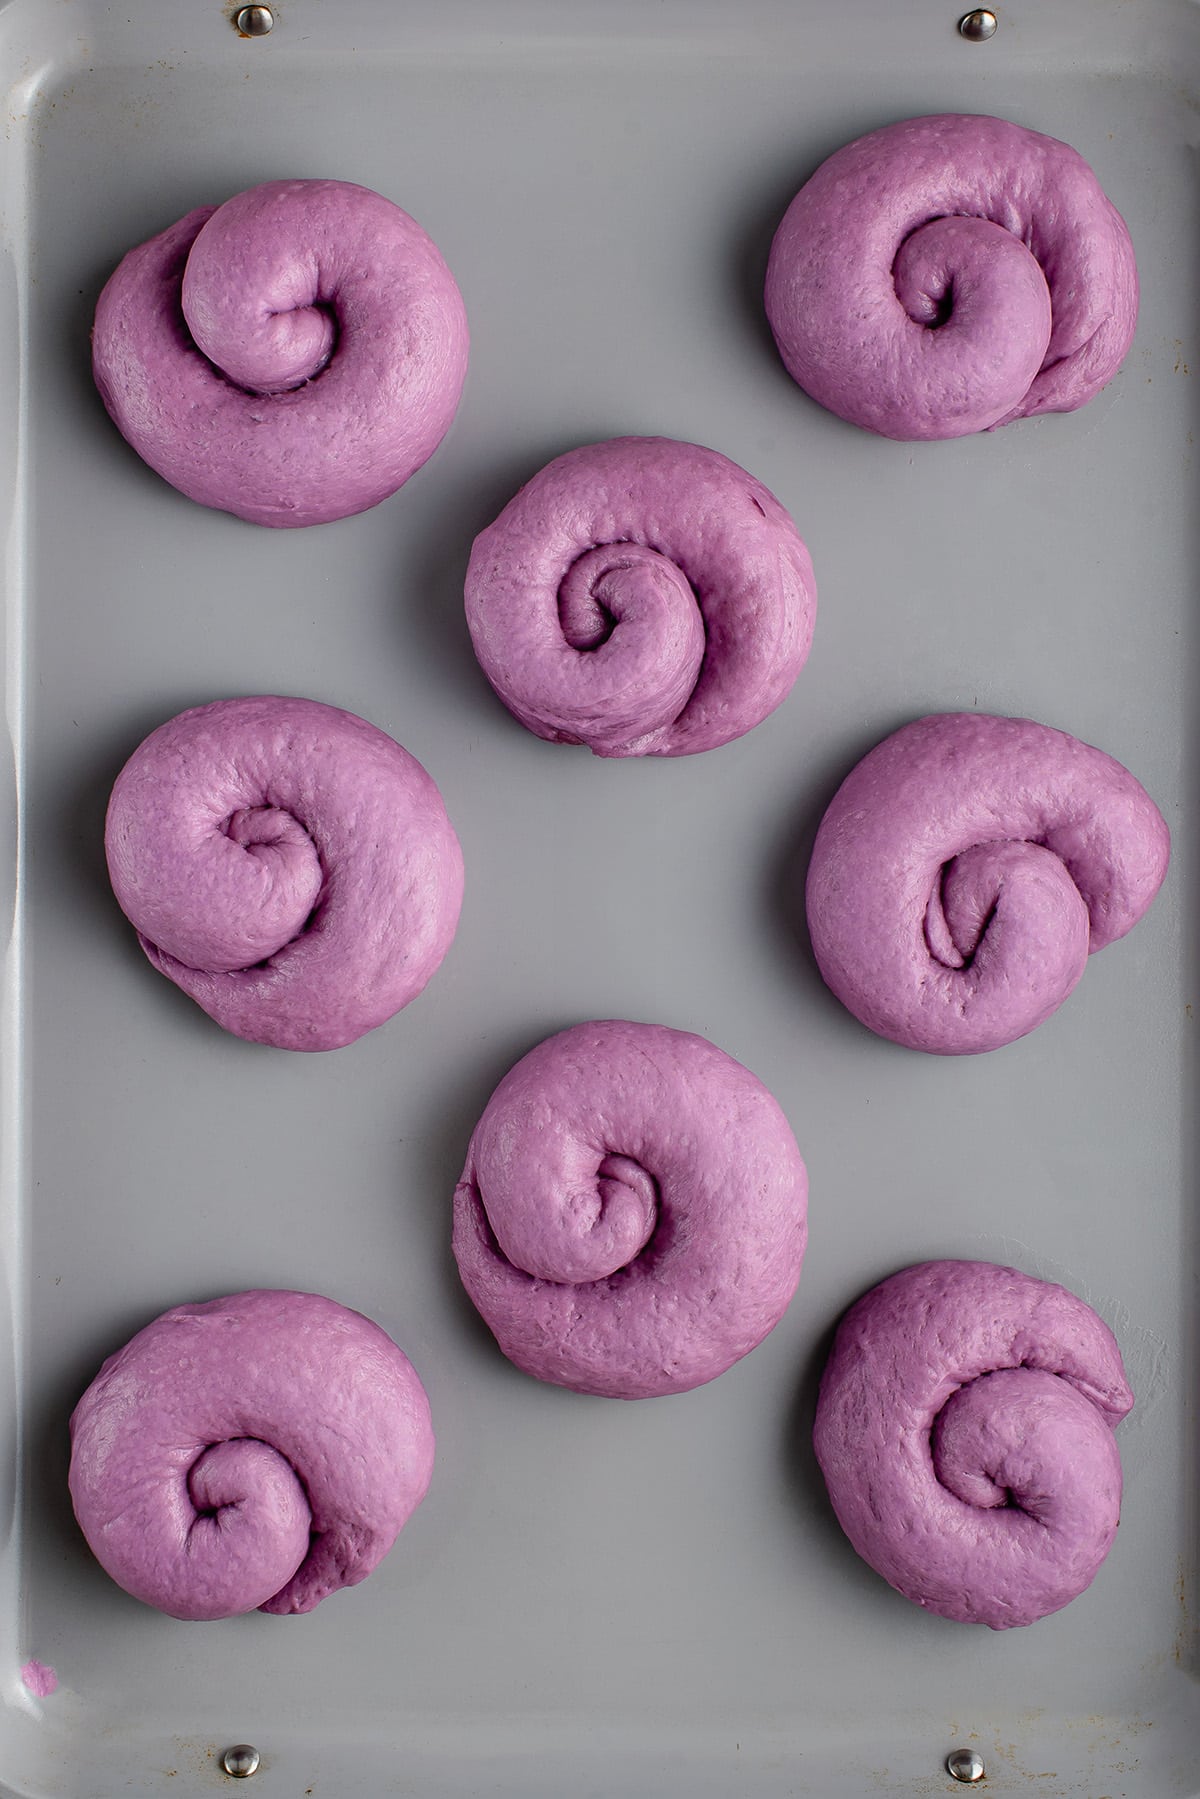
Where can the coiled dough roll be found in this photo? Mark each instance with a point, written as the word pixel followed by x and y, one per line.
pixel 292 356
pixel 949 274
pixel 641 596
pixel 965 1431
pixel 632 1215
pixel 965 871
pixel 262 1450
pixel 288 865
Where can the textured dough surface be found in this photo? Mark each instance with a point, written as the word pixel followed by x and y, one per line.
pixel 641 596
pixel 288 865
pixel 632 1215
pixel 292 356
pixel 965 1432
pixel 256 1451
pixel 966 869
pixel 949 274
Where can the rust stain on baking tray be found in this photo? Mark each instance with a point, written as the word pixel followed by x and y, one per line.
pixel 1102 1752
pixel 1185 1631
pixel 193 1757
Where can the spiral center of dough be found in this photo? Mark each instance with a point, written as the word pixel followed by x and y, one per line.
pixel 923 280
pixel 266 831
pixel 1016 1438
pixel 250 1526
pixel 615 581
pixel 629 647
pixel 295 346
pixel 628 1203
pixel 268 335
pixel 959 912
pixel 968 1444
pixel 604 1225
pixel 286 880
pixel 1002 907
pixel 596 1222
pixel 235 1473
pixel 585 597
pixel 232 892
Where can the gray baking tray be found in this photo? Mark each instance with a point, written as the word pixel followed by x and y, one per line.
pixel 597 1599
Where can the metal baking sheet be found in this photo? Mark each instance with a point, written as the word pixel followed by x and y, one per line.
pixel 597 1598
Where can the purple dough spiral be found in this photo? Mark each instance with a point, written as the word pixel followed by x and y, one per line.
pixel 965 871
pixel 965 1432
pixel 950 274
pixel 643 597
pixel 286 864
pixel 259 1451
pixel 292 356
pixel 632 1215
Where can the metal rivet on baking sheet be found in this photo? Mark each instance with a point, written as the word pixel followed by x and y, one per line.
pixel 254 21
pixel 977 26
pixel 965 1764
pixel 242 1760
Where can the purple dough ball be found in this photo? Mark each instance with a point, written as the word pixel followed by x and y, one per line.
pixel 643 597
pixel 292 356
pixel 258 1451
pixel 950 274
pixel 965 871
pixel 286 864
pixel 632 1215
pixel 965 1432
